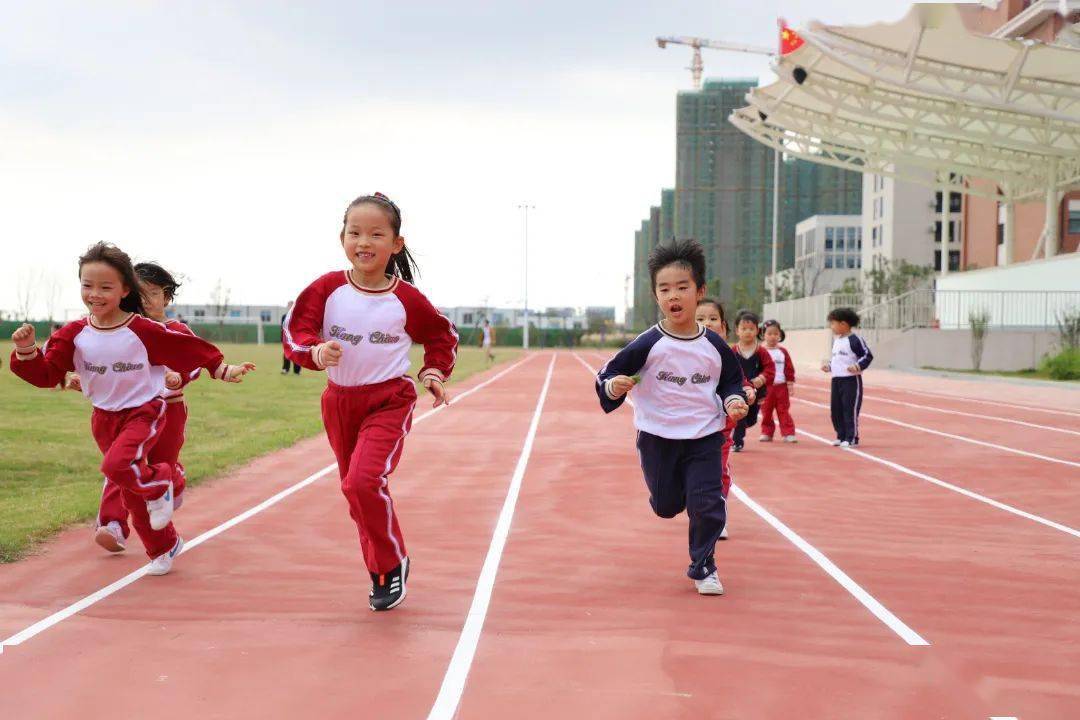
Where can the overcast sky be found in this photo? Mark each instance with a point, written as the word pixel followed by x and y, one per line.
pixel 224 139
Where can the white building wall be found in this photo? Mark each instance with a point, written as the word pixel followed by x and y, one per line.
pixel 899 222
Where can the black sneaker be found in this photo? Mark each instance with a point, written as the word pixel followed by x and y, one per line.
pixel 388 590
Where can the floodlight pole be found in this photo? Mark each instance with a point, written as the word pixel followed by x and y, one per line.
pixel 525 208
pixel 775 218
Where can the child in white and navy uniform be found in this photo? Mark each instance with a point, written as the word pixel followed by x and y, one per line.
pixel 685 378
pixel 850 357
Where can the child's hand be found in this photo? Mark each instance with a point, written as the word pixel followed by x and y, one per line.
pixel 620 385
pixel 854 369
pixel 737 409
pixel 758 381
pixel 791 389
pixel 172 380
pixel 329 353
pixel 751 395
pixel 73 382
pixel 24 338
pixel 825 367
pixel 236 373
pixel 442 397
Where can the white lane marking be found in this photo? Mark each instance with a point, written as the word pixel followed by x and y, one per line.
pixel 457 672
pixel 931 408
pixel 961 438
pixel 80 605
pixel 995 403
pixel 868 601
pixel 948 486
pixel 845 581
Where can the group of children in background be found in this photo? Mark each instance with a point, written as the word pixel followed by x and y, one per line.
pixel 695 396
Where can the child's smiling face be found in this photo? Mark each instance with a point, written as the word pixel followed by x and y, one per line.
pixel 709 316
pixel 369 240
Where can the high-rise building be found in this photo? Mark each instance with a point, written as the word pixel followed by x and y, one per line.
pixel 723 191
pixel 659 226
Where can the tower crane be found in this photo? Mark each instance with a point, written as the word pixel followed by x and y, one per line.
pixel 696 65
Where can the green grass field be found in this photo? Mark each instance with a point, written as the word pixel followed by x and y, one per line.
pixel 49 475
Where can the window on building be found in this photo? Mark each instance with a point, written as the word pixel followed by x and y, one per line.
pixel 937 260
pixel 467 318
pixel 828 261
pixel 840 239
pixel 235 313
pixel 264 315
pixel 828 238
pixel 1001 225
pixel 1074 217
pixel 954 260
pixel 200 313
pixel 850 261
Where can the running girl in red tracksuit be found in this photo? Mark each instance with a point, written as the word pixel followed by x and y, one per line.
pixel 120 358
pixel 359 325
pixel 158 289
pixel 710 313
pixel 783 387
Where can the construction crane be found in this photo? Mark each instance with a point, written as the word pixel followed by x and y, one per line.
pixel 696 65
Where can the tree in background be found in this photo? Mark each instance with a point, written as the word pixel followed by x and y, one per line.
pixel 219 300
pixel 979 320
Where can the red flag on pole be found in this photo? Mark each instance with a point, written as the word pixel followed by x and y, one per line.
pixel 789 39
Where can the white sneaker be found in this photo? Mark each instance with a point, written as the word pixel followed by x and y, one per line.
pixel 710 585
pixel 765 438
pixel 111 537
pixel 790 439
pixel 161 510
pixel 162 564
pixel 845 444
pixel 836 443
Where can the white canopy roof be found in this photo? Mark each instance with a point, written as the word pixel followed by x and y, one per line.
pixel 925 94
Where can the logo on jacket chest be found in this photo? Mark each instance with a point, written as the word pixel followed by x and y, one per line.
pixel 376 337
pixel 118 367
pixel 680 380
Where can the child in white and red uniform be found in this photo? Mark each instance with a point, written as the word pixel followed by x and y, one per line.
pixel 158 288
pixel 120 358
pixel 783 387
pixel 359 325
pixel 710 313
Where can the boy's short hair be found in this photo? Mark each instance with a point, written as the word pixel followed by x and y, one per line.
pixel 747 316
pixel 844 315
pixel 684 253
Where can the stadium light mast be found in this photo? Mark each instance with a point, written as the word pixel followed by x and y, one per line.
pixel 525 208
pixel 697 67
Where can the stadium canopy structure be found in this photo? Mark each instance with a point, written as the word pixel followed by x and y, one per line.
pixel 924 94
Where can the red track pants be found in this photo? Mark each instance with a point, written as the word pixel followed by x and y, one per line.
pixel 126 438
pixel 725 455
pixel 366 426
pixel 165 450
pixel 777 399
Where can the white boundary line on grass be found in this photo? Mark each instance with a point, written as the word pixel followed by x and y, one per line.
pixel 845 581
pixel 961 438
pixel 457 672
pixel 949 486
pixel 931 408
pixel 80 605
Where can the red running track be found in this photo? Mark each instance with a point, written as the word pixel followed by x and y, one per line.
pixel 591 614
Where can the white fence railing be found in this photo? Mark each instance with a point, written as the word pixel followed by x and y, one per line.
pixel 926 307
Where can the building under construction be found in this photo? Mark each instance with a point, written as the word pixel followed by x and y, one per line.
pixel 723 199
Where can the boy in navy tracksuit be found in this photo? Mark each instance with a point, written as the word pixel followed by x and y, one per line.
pixel 685 380
pixel 850 356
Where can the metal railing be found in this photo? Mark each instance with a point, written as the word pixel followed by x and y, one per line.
pixel 927 307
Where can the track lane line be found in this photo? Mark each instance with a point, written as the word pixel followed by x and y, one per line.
pixel 948 486
pixel 457 671
pixel 962 438
pixel 878 398
pixel 872 604
pixel 110 589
